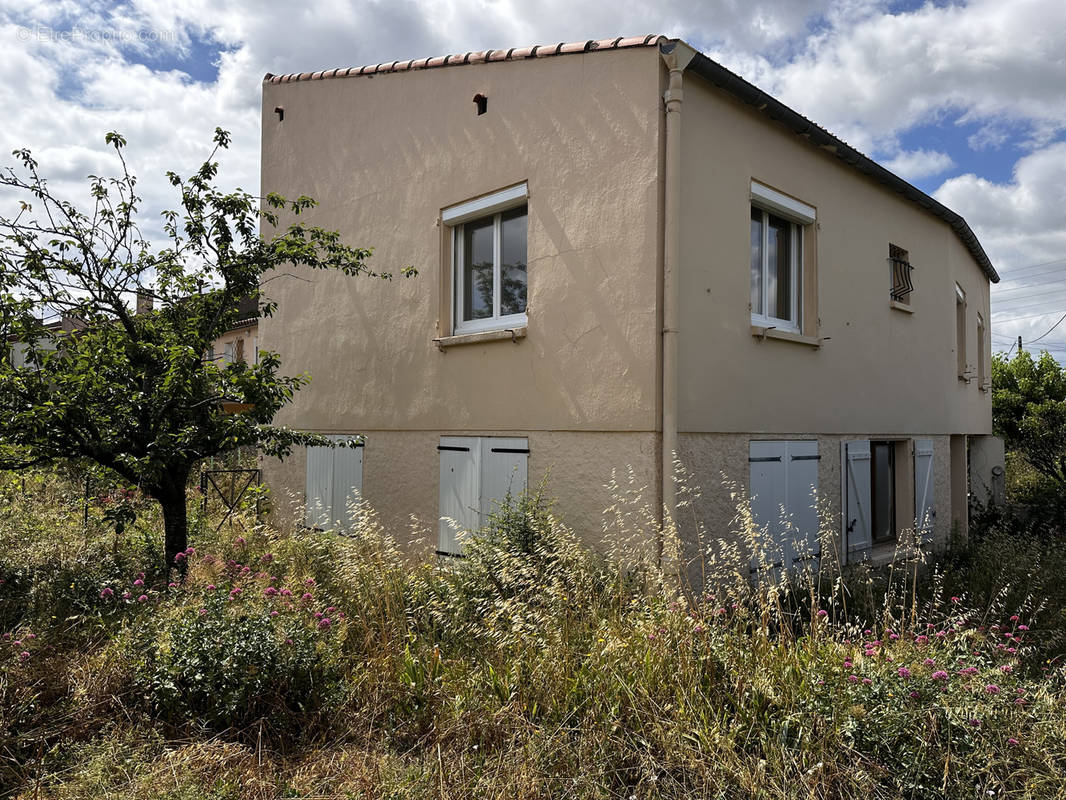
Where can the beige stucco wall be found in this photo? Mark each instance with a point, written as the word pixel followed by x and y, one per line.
pixel 401 479
pixel 878 368
pixel 384 154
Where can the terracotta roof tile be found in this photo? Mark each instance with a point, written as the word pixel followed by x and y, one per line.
pixel 475 57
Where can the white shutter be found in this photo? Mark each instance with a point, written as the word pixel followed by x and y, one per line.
pixel 504 467
pixel 347 483
pixel 460 478
pixel 857 509
pixel 319 487
pixel 801 471
pixel 924 510
pixel 768 501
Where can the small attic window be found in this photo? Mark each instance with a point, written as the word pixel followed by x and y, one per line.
pixel 900 274
pixel 482 103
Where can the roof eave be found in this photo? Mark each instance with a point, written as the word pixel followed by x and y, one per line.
pixel 732 83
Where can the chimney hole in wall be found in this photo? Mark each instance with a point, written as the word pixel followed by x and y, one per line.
pixel 482 103
pixel 280 111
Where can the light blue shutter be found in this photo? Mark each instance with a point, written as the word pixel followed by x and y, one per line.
pixel 924 509
pixel 347 483
pixel 801 468
pixel 857 508
pixel 460 478
pixel 319 487
pixel 768 495
pixel 504 469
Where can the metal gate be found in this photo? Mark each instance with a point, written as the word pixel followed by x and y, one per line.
pixel 230 485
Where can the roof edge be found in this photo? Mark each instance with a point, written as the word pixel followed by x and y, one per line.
pixel 475 57
pixel 748 93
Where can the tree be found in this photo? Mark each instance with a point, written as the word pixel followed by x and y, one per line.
pixel 136 393
pixel 1029 410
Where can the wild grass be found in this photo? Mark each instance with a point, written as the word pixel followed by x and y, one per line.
pixel 303 664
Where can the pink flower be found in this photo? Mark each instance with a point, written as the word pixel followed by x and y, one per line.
pixel 142 599
pixel 273 613
pixel 1015 618
pixel 239 542
pixel 914 695
pixel 1023 627
pixel 853 678
pixel 190 551
pixel 893 636
pixel 245 571
pixel 955 600
pixel 1012 741
pixel 992 688
pixel 823 613
pixel 23 656
pixel 270 591
pixel 17 643
pixel 903 672
pixel 1007 668
pixel 126 595
pixel 267 558
pixel 866 681
pixel 847 663
pixel 179 557
pixel 324 623
pixel 138 582
pixel 307 597
pixel 922 639
pixel 211 587
pixel 319 615
pixel 309 582
pixel 929 662
pixel 976 723
pixel 202 611
pixel 172 585
pixel 968 671
pixel 31 636
pixel 651 637
pixel 236 590
pixel 939 675
pixel 107 593
pixel 1019 701
pixel 698 629
pixel 286 593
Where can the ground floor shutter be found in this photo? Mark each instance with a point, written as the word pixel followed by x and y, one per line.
pixel 460 478
pixel 334 480
pixel 802 474
pixel 319 487
pixel 476 476
pixel 347 483
pixel 857 509
pixel 924 508
pixel 503 472
pixel 784 483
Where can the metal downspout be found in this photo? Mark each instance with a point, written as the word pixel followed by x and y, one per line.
pixel 676 55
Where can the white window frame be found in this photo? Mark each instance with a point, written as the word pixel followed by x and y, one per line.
pixel 455 217
pixel 799 215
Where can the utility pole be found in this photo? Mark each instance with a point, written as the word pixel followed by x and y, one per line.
pixel 1020 344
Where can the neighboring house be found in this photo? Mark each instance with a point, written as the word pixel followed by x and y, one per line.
pixel 626 252
pixel 241 342
pixel 18 350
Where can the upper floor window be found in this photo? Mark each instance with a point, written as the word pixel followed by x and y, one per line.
pixel 489 274
pixel 777 235
pixel 960 332
pixel 900 274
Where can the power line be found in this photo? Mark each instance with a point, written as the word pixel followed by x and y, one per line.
pixel 1027 316
pixel 1033 266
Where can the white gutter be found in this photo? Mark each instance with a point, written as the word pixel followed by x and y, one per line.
pixel 676 56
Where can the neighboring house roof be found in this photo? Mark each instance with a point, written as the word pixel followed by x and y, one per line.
pixel 712 72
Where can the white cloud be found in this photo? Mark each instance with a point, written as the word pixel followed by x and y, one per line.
pixel 920 163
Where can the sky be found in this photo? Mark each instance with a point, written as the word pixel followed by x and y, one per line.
pixel 966 100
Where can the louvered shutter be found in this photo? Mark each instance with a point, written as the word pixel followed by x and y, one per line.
pixel 460 478
pixel 319 487
pixel 924 510
pixel 801 468
pixel 857 520
pixel 347 483
pixel 504 467
pixel 768 501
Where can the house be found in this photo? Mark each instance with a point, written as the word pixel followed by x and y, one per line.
pixel 627 253
pixel 241 341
